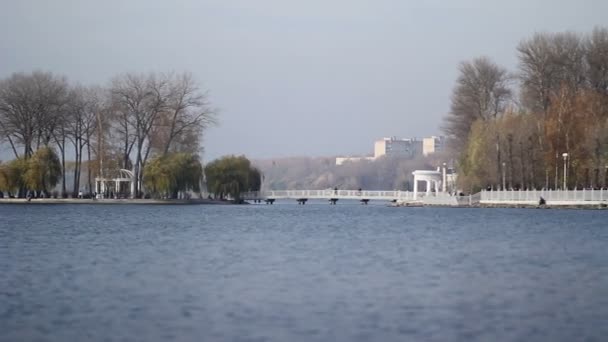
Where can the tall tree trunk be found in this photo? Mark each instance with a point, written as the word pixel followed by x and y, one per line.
pixel 77 153
pixel 125 163
pixel 10 141
pixel 138 171
pixel 556 185
pixel 499 167
pixel 61 145
pixel 522 178
pixel 511 163
pixel 89 165
pixel 63 187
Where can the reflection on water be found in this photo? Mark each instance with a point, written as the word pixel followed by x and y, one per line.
pixel 301 273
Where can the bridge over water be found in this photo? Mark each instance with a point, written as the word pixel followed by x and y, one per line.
pixel 582 197
pixel 331 195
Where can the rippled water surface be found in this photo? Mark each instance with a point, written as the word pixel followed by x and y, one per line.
pixel 301 273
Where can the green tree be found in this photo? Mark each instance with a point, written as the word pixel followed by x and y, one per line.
pixel 474 171
pixel 231 176
pixel 158 178
pixel 3 179
pixel 12 178
pixel 43 170
pixel 168 175
pixel 187 172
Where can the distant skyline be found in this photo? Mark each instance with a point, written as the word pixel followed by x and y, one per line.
pixel 290 78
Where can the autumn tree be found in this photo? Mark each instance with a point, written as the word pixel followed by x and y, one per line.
pixel 548 62
pixel 563 108
pixel 596 57
pixel 481 94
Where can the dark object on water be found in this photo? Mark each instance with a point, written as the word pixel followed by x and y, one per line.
pixel 542 201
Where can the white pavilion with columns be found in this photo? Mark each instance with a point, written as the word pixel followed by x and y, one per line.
pixel 434 179
pixel 125 181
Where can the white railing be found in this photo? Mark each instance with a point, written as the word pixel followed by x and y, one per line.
pixel 327 194
pixel 520 196
pixel 396 195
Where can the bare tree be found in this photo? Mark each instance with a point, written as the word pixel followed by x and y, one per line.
pixel 120 131
pixel 30 109
pixel 188 110
pixel 60 136
pixel 547 62
pixel 83 111
pixel 138 115
pixel 481 93
pixel 596 48
pixel 141 98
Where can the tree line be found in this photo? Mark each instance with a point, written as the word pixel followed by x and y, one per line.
pixel 135 118
pixel 517 129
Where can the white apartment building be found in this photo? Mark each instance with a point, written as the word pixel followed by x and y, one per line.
pixel 397 147
pixel 406 148
pixel 432 145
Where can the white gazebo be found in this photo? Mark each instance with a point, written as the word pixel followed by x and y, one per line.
pixel 433 179
pixel 116 186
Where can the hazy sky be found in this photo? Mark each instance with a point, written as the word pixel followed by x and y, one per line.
pixel 308 77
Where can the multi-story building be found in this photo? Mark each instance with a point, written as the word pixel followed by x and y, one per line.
pixel 432 145
pixel 397 147
pixel 405 148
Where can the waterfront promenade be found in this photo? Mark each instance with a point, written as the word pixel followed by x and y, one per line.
pixel 506 198
pixel 496 198
pixel 590 197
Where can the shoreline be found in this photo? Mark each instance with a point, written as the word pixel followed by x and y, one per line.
pixel 545 206
pixel 108 201
pixel 571 206
pixel 204 201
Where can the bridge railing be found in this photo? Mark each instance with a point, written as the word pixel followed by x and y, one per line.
pixel 585 195
pixel 330 193
pixel 432 198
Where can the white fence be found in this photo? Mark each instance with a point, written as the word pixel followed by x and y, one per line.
pixel 556 196
pixel 327 194
pixel 399 196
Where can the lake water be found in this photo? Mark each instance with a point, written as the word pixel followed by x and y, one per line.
pixel 301 273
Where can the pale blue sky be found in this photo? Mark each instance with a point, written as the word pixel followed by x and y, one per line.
pixel 308 77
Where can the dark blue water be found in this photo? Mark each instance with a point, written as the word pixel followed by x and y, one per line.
pixel 301 273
